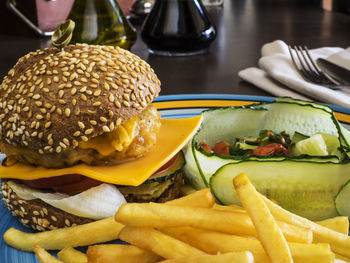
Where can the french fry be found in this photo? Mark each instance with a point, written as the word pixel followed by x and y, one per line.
pixel 267 229
pixel 163 215
pixel 112 253
pixel 44 256
pixel 311 253
pixel 71 255
pixel 200 198
pixel 81 235
pixel 157 242
pixel 340 243
pixel 339 224
pixel 213 242
pixel 237 257
pixel 233 208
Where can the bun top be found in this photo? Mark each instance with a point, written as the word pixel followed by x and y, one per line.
pixel 53 99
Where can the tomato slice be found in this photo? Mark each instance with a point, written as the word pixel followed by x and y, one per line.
pixel 272 148
pixel 74 188
pixel 67 183
pixel 45 183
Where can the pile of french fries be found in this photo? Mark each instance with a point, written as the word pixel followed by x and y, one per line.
pixel 195 229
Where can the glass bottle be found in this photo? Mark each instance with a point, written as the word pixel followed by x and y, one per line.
pixel 101 22
pixel 178 28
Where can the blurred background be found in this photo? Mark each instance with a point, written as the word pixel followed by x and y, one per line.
pixel 227 33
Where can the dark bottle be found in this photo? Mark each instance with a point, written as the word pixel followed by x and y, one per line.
pixel 178 28
pixel 101 22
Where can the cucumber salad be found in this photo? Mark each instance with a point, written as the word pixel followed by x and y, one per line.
pixel 294 151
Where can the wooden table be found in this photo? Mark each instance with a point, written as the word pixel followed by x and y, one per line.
pixel 243 26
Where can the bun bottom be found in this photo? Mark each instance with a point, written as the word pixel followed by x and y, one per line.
pixel 37 214
pixel 41 216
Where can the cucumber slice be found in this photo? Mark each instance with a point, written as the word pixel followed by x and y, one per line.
pixel 342 203
pixel 305 188
pixel 174 169
pixel 315 146
pixel 297 137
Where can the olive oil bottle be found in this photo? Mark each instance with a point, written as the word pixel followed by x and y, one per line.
pixel 101 22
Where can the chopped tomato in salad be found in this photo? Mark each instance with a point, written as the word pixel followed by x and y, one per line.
pixel 273 148
pixel 267 143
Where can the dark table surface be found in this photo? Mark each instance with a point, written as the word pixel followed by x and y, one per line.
pixel 243 27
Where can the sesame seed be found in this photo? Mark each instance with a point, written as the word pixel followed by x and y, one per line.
pixel 97 93
pixel 81 125
pixel 84 138
pixel 89 131
pixel 95 75
pixel 114 86
pixel 111 126
pixel 39 116
pixel 62 145
pixel 126 104
pixel 48 124
pixel 106 86
pixel 117 104
pixel 96 104
pixel 76 134
pixel 105 128
pixel 103 119
pixel 67 112
pixel 58 149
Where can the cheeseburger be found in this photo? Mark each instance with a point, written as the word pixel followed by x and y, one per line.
pixel 81 104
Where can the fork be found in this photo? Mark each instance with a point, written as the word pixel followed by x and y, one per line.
pixel 309 70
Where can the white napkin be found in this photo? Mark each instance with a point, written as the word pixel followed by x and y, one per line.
pixel 278 75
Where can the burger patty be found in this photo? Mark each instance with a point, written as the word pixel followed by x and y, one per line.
pixel 148 126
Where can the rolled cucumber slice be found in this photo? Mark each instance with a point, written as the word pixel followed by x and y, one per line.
pixel 235 122
pixel 305 188
pixel 342 200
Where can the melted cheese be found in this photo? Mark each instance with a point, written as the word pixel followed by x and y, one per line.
pixel 117 140
pixel 174 135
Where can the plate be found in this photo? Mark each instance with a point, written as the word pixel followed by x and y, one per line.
pixel 170 106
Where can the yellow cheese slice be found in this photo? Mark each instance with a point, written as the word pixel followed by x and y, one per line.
pixel 173 136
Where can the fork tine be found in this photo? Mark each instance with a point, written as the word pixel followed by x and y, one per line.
pixel 297 65
pixel 308 64
pixel 319 70
pixel 304 67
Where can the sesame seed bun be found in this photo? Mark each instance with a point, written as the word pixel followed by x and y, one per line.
pixel 52 100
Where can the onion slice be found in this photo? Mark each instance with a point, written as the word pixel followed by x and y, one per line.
pixel 96 203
